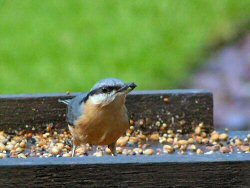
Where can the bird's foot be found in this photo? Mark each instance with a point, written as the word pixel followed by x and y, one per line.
pixel 73 150
pixel 69 143
pixel 112 148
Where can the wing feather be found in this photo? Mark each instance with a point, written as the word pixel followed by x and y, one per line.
pixel 75 108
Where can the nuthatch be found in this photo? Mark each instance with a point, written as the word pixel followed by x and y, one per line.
pixel 99 117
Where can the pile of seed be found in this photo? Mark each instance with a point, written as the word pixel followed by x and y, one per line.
pixel 57 143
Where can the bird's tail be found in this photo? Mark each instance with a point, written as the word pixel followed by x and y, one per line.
pixel 66 101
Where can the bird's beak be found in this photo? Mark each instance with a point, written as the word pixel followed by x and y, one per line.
pixel 127 88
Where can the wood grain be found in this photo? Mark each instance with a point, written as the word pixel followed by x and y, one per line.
pixel 183 109
pixel 143 171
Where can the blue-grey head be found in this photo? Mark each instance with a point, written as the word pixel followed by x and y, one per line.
pixel 108 90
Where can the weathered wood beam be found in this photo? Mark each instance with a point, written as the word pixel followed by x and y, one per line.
pixel 217 170
pixel 180 109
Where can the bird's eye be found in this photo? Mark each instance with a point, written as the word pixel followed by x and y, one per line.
pixel 104 90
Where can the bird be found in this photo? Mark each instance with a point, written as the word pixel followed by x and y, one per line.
pixel 99 117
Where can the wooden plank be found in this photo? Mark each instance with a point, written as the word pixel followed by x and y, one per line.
pixel 123 160
pixel 182 109
pixel 149 171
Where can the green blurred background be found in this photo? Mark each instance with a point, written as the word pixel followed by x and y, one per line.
pixel 58 45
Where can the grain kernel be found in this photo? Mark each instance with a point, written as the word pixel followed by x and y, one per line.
pixel 170 140
pixel 81 150
pixel 166 100
pixel 125 151
pixel 198 139
pixel 18 150
pixel 245 148
pixel 201 125
pixel 149 152
pixel 133 140
pixel 223 137
pixel 205 140
pixel 2 155
pixel 190 141
pixel 199 151
pixel 183 147
pixel 142 137
pixel 66 155
pixel 197 130
pixel 213 148
pixel 138 151
pixel 13 142
pixel 22 144
pixel 144 146
pixel 9 147
pixel 98 154
pixel 2 147
pixel 154 137
pixel 163 140
pixel 248 136
pixel 192 147
pixel 131 122
pixel 182 152
pixel 122 141
pixel 224 149
pixel 158 124
pixel 21 155
pixel 238 142
pixel 203 135
pixel 108 151
pixel 215 137
pixel 168 149
pixel 119 150
pixel 141 122
pixel 60 146
pixel 183 142
pixel 55 150
pixel 170 131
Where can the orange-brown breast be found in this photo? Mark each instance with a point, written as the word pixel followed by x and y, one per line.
pixel 101 125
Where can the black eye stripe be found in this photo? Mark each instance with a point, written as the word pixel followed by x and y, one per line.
pixel 109 89
pixel 114 87
pixel 98 91
pixel 104 89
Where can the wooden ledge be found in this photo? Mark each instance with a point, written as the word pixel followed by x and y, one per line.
pixel 215 170
pixel 126 160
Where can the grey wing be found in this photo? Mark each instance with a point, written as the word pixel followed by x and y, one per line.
pixel 75 109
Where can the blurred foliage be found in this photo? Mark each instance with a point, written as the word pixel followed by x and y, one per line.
pixel 60 45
